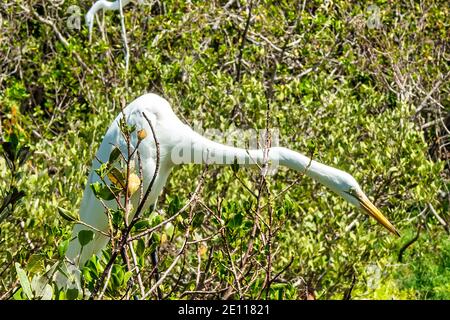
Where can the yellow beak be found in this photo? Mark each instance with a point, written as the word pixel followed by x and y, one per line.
pixel 370 208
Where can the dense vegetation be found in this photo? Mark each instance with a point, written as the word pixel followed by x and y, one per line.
pixel 363 88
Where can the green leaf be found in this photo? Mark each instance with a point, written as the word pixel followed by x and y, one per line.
pixel 169 229
pixel 12 197
pixel 153 246
pixel 117 275
pixel 127 276
pixel 41 287
pixel 236 221
pixel 51 271
pixel 101 191
pixel 156 239
pixel 14 141
pixel 72 294
pixel 140 247
pixel 18 295
pixel 102 170
pixel 35 263
pixel 174 205
pixel 47 292
pixel 142 225
pixel 4 213
pixel 155 220
pixel 23 155
pixel 62 247
pixel 24 282
pixel 117 178
pixel 85 236
pixel 115 153
pixel 9 148
pixel 117 218
pixel 8 162
pixel 198 219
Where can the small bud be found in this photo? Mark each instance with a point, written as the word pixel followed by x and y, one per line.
pixel 142 134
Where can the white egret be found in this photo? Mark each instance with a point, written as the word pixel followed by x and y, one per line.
pixel 102 5
pixel 180 144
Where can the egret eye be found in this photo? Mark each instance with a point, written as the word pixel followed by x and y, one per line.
pixel 352 191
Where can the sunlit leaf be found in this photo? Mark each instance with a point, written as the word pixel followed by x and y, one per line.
pixel 140 247
pixel 101 191
pixel 24 282
pixel 67 215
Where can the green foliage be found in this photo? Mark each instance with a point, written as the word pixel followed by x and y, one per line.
pixel 427 274
pixel 15 156
pixel 39 288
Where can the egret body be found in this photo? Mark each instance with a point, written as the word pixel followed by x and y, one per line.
pixel 180 144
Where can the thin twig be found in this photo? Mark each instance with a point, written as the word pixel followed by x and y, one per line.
pixel 441 221
pixel 237 276
pixel 124 37
pixel 165 274
pixel 159 225
pixel 93 228
pixel 138 271
pixel 106 284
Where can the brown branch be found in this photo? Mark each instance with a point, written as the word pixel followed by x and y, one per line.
pixel 124 239
pixel 408 244
pixel 282 270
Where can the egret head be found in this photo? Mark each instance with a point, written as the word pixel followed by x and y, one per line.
pixel 347 187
